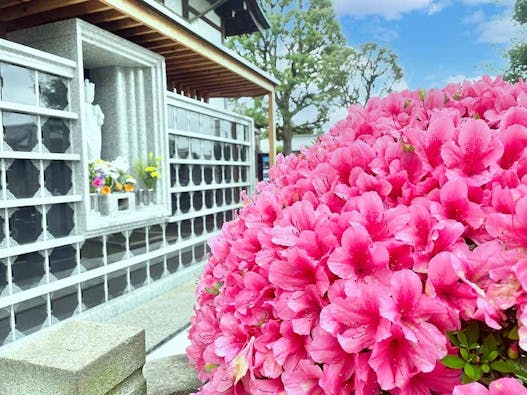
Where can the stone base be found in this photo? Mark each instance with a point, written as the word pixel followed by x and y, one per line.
pixel 117 203
pixel 171 376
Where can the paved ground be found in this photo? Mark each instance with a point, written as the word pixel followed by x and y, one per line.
pixel 174 346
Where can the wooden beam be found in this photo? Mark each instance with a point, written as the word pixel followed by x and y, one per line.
pixel 120 24
pixel 211 78
pixel 72 11
pixel 36 7
pixel 9 3
pixel 3 30
pixel 132 31
pixel 189 39
pixel 105 16
pixel 272 130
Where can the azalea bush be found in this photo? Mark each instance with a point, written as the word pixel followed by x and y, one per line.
pixel 390 257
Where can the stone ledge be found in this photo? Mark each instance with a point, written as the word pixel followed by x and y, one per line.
pixel 171 376
pixel 76 358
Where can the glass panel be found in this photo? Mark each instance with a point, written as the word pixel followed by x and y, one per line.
pixel 116 283
pixel 207 174
pixel 237 195
pixel 60 220
pixel 171 232
pixel 2 222
pixel 182 119
pixel 198 226
pixel 5 325
pixel 209 199
pixel 93 292
pixel 209 223
pixel 62 261
pixel 208 149
pixel 171 116
pixel 184 202
pixel 3 280
pixel 28 270
pixel 184 175
pixel 57 178
pixel 233 130
pixel 173 175
pixel 199 252
pixel 227 151
pixel 243 153
pixel 172 146
pixel 194 122
pixel 195 148
pixel 155 237
pixel 217 150
pixel 115 247
pixel 182 147
pixel 22 178
pixel 173 200
pixel 228 216
pixel 228 170
pixel 137 240
pixel 18 84
pixel 25 224
pixel 53 91
pixel 186 256
pixel 244 174
pixel 228 196
pixel 196 174
pixel 235 173
pixel 31 315
pixel 20 131
pixel 240 132
pixel 225 129
pixel 55 134
pixel 246 133
pixel 64 302
pixel 91 253
pixel 235 152
pixel 219 197
pixel 217 127
pixel 218 174
pixel 186 229
pixel 197 200
pixel 219 220
pixel 173 261
pixel 157 267
pixel 138 275
pixel 207 124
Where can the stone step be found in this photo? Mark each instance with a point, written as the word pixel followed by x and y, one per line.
pixel 170 376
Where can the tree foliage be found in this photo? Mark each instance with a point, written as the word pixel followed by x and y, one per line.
pixel 518 53
pixel 307 52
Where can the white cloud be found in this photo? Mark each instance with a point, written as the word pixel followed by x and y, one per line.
pixel 400 85
pixel 498 30
pixel 475 18
pixel 389 9
pixel 454 79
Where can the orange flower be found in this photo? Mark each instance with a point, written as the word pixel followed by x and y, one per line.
pixel 128 187
pixel 119 186
pixel 106 190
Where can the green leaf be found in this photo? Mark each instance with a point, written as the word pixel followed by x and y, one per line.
pixel 501 366
pixel 485 368
pixel 513 334
pixel 473 371
pixel 491 342
pixel 493 355
pixel 472 332
pixel 422 94
pixel 462 338
pixel 464 354
pixel 453 362
pixel 453 338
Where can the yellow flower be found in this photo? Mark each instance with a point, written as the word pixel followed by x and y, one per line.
pixel 106 190
pixel 155 174
pixel 128 187
pixel 119 186
pixel 150 169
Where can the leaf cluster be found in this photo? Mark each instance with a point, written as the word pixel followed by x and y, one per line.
pixel 485 354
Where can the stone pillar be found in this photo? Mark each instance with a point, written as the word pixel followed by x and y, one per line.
pixel 76 358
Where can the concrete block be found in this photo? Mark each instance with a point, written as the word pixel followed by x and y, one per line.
pixel 76 358
pixel 171 376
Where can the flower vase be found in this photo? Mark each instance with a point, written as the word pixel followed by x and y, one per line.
pixel 94 202
pixel 151 193
pixel 140 197
pixel 114 203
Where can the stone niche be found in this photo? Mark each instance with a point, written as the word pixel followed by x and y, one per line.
pixel 130 88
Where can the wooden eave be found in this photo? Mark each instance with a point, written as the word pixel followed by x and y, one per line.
pixel 193 65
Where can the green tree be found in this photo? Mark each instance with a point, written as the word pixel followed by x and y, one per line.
pixel 304 49
pixel 374 71
pixel 307 52
pixel 518 53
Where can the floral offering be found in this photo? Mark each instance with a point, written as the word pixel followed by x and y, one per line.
pixel 106 177
pixel 148 172
pixel 388 258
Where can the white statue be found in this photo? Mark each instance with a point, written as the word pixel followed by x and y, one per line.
pixel 93 120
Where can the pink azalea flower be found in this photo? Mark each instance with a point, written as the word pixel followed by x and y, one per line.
pixel 504 386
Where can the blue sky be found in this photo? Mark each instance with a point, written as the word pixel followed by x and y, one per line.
pixel 437 41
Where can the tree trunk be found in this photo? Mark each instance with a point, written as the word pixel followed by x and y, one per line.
pixel 287 136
